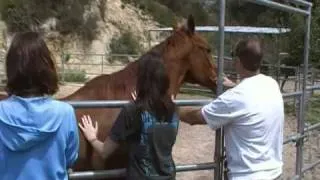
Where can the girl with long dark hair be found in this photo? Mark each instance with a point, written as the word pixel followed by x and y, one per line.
pixel 149 125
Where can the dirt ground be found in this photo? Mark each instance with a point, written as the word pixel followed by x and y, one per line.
pixel 195 144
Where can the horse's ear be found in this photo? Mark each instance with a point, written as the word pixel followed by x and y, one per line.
pixel 175 24
pixel 190 24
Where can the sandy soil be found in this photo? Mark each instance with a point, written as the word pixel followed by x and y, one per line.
pixel 195 144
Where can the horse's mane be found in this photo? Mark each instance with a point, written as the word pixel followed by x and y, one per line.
pixel 123 82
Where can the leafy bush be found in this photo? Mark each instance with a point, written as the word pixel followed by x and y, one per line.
pixel 159 12
pixel 21 15
pixel 289 109
pixel 184 8
pixel 66 57
pixel 73 75
pixel 125 44
pixel 164 11
pixel 313 110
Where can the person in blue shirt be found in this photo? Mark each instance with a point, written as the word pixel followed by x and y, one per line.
pixel 149 125
pixel 38 135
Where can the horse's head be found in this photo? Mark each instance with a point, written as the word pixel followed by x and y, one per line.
pixel 192 53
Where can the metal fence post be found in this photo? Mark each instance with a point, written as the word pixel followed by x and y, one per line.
pixel 296 70
pixel 301 119
pixel 312 79
pixel 219 142
pixel 278 74
pixel 62 67
pixel 102 64
pixel 149 39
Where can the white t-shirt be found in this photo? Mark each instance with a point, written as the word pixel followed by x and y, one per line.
pixel 252 114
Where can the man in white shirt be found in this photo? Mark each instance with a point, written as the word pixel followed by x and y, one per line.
pixel 252 114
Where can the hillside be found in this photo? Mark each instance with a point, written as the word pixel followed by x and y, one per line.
pixel 74 26
pixel 118 18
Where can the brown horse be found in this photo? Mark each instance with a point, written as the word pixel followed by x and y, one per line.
pixel 186 56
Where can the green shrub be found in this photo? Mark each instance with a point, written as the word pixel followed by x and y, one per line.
pixel 184 8
pixel 313 109
pixel 66 57
pixel 21 15
pixel 158 11
pixel 289 108
pixel 72 75
pixel 125 44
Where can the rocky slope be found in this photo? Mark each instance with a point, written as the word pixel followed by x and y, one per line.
pixel 118 18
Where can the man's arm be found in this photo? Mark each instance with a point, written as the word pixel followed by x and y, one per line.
pixel 216 114
pixel 227 83
pixel 191 115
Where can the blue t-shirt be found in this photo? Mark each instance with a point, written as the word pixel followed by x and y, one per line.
pixel 150 142
pixel 38 138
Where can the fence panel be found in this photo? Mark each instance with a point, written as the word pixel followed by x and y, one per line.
pixel 291 137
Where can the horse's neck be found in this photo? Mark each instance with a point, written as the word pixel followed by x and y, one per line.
pixel 115 86
pixel 178 69
pixel 118 85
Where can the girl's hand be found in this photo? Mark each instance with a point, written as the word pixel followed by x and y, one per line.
pixel 89 130
pixel 134 95
pixel 172 97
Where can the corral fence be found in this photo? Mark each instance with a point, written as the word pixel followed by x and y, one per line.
pixel 186 167
pixel 299 139
pixel 304 8
pixel 218 164
pixel 95 64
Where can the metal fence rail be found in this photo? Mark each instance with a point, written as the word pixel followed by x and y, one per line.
pixel 116 173
pixel 188 102
pixel 294 138
pixel 302 96
pixel 218 164
pixel 310 166
pixel 180 168
pixel 280 6
pixel 219 145
pixel 302 109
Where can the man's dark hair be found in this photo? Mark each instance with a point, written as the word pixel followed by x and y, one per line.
pixel 29 67
pixel 250 53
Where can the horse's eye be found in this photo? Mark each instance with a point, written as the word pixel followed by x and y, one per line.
pixel 209 50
